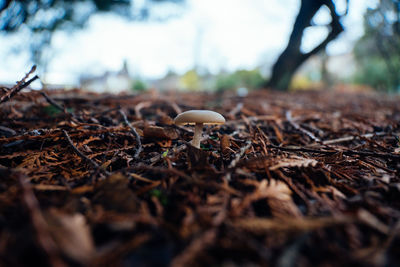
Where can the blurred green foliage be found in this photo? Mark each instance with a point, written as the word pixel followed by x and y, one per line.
pixel 373 71
pixel 139 86
pixel 52 111
pixel 241 78
pixel 191 80
pixel 226 82
pixel 377 52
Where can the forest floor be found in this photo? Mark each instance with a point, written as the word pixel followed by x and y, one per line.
pixel 306 179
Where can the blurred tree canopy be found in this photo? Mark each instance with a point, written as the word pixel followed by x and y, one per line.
pixel 42 18
pixel 51 15
pixel 378 50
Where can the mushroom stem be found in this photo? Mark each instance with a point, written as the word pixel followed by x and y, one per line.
pixel 198 129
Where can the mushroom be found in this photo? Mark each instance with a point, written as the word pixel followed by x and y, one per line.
pixel 199 118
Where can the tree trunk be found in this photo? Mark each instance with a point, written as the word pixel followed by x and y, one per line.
pixel 292 58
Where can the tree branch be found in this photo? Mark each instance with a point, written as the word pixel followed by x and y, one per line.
pixel 336 29
pixel 19 86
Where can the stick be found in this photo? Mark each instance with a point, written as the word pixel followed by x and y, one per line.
pixel 351 138
pixel 298 127
pixel 237 158
pixel 239 155
pixel 133 130
pixel 52 102
pixel 19 86
pixel 56 105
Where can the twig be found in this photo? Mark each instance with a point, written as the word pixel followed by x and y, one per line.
pixel 235 161
pixel 351 138
pixel 239 155
pixel 298 127
pixel 133 130
pixel 19 86
pixel 52 102
pixel 83 156
pixel 56 105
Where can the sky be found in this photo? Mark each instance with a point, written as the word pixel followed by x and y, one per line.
pixel 212 34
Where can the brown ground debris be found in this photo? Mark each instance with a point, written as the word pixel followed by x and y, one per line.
pixel 305 179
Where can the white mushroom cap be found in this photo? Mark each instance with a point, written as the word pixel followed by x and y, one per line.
pixel 199 116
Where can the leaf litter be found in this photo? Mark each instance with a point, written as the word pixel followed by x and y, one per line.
pixel 300 178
